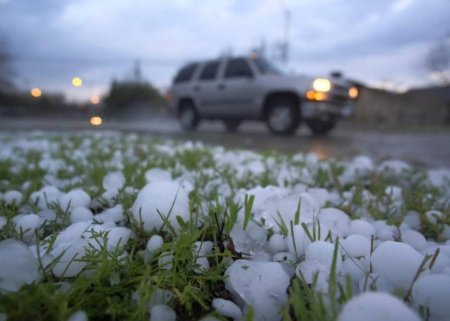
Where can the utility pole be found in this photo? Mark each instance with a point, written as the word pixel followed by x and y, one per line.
pixel 284 45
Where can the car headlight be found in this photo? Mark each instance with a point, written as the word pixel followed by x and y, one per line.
pixel 321 84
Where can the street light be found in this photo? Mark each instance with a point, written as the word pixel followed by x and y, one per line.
pixel 95 100
pixel 77 82
pixel 36 92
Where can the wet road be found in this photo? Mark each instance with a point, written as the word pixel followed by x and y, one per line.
pixel 422 148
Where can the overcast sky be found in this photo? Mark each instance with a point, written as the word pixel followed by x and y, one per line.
pixel 369 40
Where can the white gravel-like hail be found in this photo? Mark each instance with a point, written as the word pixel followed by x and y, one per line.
pixel 374 253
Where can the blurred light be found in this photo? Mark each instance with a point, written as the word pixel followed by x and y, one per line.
pixel 95 100
pixel 96 121
pixel 36 92
pixel 316 95
pixel 320 96
pixel 353 92
pixel 310 95
pixel 77 82
pixel 321 84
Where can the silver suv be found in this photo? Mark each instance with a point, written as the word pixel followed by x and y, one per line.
pixel 250 88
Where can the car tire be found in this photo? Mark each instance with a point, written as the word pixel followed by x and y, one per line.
pixel 231 124
pixel 188 115
pixel 283 116
pixel 320 127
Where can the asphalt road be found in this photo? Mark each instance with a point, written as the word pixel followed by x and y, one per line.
pixel 423 148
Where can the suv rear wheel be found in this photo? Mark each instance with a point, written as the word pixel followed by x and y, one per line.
pixel 283 116
pixel 188 116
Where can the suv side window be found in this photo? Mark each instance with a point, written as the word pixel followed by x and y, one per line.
pixel 238 67
pixel 185 74
pixel 209 71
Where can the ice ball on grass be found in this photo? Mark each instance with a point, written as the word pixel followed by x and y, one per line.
pixel 322 252
pixel 113 214
pixel 157 175
pixel 362 227
pixel 397 262
pixel 113 181
pixel 154 243
pixel 45 196
pixel 12 197
pixel 18 266
pixel 78 316
pixel 287 260
pixel 250 240
pixel 227 308
pixel 261 285
pixel 335 220
pixel 117 238
pixel 74 198
pixel 167 199
pixel 357 268
pixel 376 306
pixel 393 167
pixel 412 218
pixel 355 246
pixel 277 243
pixel 80 214
pixel 68 261
pixel 297 240
pixel 432 291
pixel 27 225
pixel 310 269
pixel 162 312
pixel 433 216
pixel 415 239
pixel 159 296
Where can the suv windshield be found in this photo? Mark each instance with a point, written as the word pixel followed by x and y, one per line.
pixel 266 67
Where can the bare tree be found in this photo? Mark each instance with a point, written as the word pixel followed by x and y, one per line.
pixel 6 72
pixel 438 61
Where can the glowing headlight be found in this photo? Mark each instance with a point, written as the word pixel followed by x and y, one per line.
pixel 353 92
pixel 321 84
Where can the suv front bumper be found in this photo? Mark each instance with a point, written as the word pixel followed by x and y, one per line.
pixel 325 109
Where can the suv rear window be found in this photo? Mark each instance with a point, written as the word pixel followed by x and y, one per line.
pixel 209 71
pixel 238 68
pixel 185 74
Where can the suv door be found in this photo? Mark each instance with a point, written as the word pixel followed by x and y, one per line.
pixel 206 89
pixel 238 90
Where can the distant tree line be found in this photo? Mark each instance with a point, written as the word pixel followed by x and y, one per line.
pixel 123 94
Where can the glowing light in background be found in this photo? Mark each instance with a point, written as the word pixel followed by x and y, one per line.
pixel 77 82
pixel 96 121
pixel 95 100
pixel 36 92
pixel 353 92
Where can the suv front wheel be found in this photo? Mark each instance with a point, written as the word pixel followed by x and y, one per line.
pixel 188 116
pixel 282 116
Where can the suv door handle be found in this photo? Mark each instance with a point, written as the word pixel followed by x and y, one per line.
pixel 196 88
pixel 221 86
